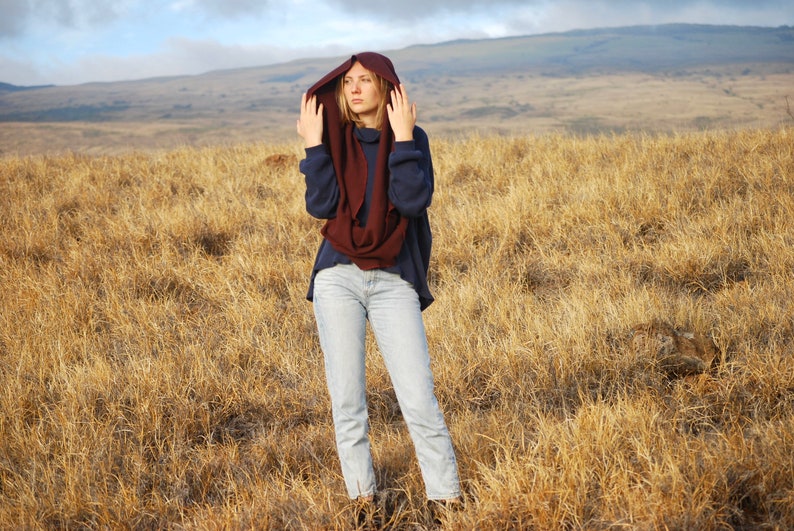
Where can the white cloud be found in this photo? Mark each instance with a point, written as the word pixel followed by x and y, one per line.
pixel 222 8
pixel 74 41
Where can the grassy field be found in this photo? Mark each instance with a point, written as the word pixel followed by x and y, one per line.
pixel 227 110
pixel 159 366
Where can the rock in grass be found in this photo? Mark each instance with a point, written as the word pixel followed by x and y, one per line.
pixel 674 352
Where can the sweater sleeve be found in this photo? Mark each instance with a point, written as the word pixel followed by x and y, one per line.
pixel 322 189
pixel 411 169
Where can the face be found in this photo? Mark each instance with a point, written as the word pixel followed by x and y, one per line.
pixel 362 94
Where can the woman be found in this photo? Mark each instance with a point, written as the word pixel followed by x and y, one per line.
pixel 369 174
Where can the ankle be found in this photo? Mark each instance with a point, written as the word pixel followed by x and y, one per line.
pixel 449 502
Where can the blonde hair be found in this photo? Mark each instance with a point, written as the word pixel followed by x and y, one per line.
pixel 346 115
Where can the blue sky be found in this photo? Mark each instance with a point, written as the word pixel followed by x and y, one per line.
pixel 77 41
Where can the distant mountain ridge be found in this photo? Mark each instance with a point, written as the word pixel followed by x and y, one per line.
pixel 647 49
pixel 650 49
pixel 7 87
pixel 536 82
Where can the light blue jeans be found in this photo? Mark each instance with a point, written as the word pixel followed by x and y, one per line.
pixel 345 297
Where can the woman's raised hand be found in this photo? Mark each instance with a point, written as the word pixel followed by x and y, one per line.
pixel 402 114
pixel 310 123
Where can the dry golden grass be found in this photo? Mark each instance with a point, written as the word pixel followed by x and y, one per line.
pixel 504 104
pixel 159 366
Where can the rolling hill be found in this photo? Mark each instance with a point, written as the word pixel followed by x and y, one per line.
pixel 650 78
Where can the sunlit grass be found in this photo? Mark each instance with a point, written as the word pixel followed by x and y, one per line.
pixel 159 365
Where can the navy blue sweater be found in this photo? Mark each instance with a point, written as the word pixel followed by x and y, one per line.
pixel 410 191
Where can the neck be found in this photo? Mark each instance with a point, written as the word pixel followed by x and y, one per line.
pixel 367 120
